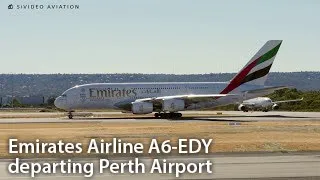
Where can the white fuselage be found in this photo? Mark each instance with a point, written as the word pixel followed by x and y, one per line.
pixel 259 102
pixel 119 95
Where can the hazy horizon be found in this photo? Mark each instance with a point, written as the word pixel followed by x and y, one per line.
pixel 149 73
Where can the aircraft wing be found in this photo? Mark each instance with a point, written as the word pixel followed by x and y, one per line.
pixel 189 99
pixel 286 101
pixel 267 89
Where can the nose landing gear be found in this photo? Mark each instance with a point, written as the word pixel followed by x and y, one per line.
pixel 70 115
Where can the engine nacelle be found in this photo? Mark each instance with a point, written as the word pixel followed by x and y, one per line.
pixel 173 105
pixel 275 107
pixel 142 107
pixel 242 107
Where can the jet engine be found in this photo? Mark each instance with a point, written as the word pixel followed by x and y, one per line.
pixel 275 107
pixel 242 107
pixel 142 107
pixel 173 105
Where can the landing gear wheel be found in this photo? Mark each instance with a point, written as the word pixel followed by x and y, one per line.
pixel 163 115
pixel 70 116
pixel 170 115
pixel 176 115
pixel 157 115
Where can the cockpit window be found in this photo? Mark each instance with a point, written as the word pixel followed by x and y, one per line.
pixel 64 95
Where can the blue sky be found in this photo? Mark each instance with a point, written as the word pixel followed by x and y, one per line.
pixel 161 36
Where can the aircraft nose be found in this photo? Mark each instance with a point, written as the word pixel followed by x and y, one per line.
pixel 60 103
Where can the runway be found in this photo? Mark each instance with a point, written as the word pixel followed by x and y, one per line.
pixel 224 166
pixel 106 117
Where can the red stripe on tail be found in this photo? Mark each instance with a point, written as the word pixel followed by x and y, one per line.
pixel 236 82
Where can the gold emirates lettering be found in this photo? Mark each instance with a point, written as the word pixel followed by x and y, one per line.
pixel 110 92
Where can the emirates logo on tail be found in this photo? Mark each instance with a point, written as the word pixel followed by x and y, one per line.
pixel 257 68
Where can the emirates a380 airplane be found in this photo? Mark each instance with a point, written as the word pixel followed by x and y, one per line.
pixel 168 98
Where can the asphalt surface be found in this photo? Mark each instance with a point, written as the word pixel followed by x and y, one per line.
pixel 189 116
pixel 303 165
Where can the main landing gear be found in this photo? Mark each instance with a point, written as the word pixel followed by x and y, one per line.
pixel 168 115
